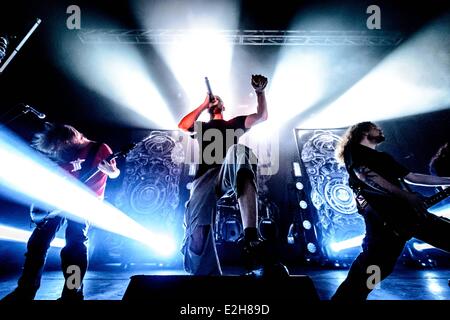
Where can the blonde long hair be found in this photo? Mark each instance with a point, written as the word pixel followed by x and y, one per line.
pixel 56 139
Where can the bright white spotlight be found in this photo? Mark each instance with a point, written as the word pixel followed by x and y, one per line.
pixel 346 244
pixel 28 177
pixel 121 74
pixel 297 169
pixel 311 247
pixel 298 83
pixel 202 49
pixel 303 204
pixel 413 79
pixel 190 61
pixel 422 246
pixel 19 235
pixel 307 224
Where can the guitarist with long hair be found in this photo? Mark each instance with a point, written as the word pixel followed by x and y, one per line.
pixel 392 214
pixel 76 154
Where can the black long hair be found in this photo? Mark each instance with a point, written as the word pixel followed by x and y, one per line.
pixel 352 137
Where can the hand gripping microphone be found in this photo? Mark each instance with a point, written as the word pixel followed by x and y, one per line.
pixel 208 87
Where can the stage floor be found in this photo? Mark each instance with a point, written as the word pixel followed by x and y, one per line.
pixel 111 283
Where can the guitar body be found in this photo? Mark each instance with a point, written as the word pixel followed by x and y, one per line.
pixel 398 214
pixel 395 214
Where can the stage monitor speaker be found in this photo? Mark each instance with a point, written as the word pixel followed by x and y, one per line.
pixel 220 288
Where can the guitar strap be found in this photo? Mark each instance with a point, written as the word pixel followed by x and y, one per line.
pixel 359 187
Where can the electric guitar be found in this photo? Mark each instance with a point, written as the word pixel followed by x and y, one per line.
pixel 399 215
pixel 208 88
pixel 39 215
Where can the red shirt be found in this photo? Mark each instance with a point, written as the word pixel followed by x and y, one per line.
pixel 98 182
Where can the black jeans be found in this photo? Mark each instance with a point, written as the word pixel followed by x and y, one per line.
pixel 74 253
pixel 382 247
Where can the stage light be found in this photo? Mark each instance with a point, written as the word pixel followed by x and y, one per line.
pixel 296 69
pixel 297 170
pixel 201 50
pixel 192 169
pixel 18 235
pixel 216 66
pixel 303 204
pixel 26 176
pixel 293 233
pixel 120 74
pixel 413 79
pixel 346 244
pixel 422 246
pixel 290 239
pixel 307 224
pixel 311 247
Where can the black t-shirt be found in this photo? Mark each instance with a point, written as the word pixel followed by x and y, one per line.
pixel 214 138
pixel 380 162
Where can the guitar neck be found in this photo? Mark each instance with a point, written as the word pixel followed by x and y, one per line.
pixel 94 171
pixel 90 175
pixel 436 198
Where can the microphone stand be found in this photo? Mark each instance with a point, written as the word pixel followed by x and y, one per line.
pixel 10 58
pixel 16 50
pixel 3 117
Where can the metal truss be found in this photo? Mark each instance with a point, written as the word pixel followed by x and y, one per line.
pixel 245 37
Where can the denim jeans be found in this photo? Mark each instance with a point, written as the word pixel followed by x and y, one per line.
pixel 74 253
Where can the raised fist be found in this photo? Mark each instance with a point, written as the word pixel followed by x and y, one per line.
pixel 259 82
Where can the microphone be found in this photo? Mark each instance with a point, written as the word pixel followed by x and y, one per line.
pixel 38 114
pixel 208 87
